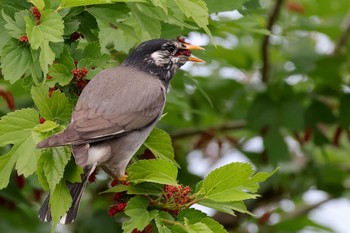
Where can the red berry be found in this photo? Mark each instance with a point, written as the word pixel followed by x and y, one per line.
pixel 136 231
pixel 42 120
pixel 148 229
pixel 121 206
pixel 92 177
pixel 118 196
pixel 51 90
pixel 20 181
pixel 23 39
pixel 114 183
pixel 112 211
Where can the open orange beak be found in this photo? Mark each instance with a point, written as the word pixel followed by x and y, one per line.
pixel 193 47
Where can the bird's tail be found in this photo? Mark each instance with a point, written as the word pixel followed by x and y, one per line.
pixel 55 140
pixel 76 191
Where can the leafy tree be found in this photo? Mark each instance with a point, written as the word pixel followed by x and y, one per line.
pixel 276 72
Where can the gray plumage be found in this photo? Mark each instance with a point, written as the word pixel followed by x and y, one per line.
pixel 115 113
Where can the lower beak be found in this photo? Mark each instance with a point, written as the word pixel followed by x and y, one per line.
pixel 194 59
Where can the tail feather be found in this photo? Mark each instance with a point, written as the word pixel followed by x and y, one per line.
pixel 56 140
pixel 76 191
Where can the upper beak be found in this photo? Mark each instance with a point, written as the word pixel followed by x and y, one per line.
pixel 193 47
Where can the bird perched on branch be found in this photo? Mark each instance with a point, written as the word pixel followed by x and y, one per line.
pixel 116 112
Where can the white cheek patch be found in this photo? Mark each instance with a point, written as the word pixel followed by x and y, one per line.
pixel 159 58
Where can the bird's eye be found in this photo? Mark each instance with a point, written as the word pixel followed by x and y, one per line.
pixel 171 48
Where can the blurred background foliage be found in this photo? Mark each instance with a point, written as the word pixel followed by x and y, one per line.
pixel 274 91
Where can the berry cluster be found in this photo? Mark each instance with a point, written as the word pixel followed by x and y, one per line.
pixel 117 208
pixel 79 75
pixel 37 15
pixel 23 39
pixel 148 229
pixel 177 195
pixel 119 202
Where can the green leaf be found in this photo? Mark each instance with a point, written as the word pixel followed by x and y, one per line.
pixel 16 60
pixel 54 160
pixel 112 34
pixel 226 207
pixel 139 216
pixel 344 111
pixel 216 6
pixel 161 3
pixel 59 74
pixel 47 126
pixel 16 129
pixel 197 10
pixel 72 172
pixel 275 146
pixel 56 107
pixel 230 183
pixel 199 221
pixel 40 4
pixel 140 189
pixel 17 27
pixel 146 21
pixel 60 202
pixel 50 29
pixel 70 3
pixel 153 170
pixel 161 226
pixel 159 142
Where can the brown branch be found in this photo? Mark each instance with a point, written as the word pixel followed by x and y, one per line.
pixel 272 18
pixel 234 125
pixel 344 37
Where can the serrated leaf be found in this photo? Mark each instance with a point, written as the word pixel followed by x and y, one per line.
pixel 16 128
pixel 4 36
pixel 153 170
pixel 161 226
pixel 161 3
pixel 72 172
pixel 60 202
pixel 230 183
pixel 216 6
pixel 59 74
pixel 17 27
pixel 159 142
pixel 56 107
pixel 226 207
pixel 193 217
pixel 47 126
pixel 16 60
pixel 139 216
pixel 197 10
pixel 70 3
pixel 140 189
pixel 54 160
pixel 50 29
pixel 149 26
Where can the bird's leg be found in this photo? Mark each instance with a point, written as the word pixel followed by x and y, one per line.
pixel 122 178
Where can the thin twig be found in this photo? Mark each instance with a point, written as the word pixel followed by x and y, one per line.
pixel 344 37
pixel 265 70
pixel 234 125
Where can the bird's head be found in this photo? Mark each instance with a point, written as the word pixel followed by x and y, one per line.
pixel 161 57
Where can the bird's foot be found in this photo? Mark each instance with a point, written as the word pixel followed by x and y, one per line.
pixel 123 178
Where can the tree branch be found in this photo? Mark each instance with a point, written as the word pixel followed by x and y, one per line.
pixel 272 18
pixel 234 125
pixel 344 37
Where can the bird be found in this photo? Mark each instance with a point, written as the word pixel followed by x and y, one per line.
pixel 116 112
